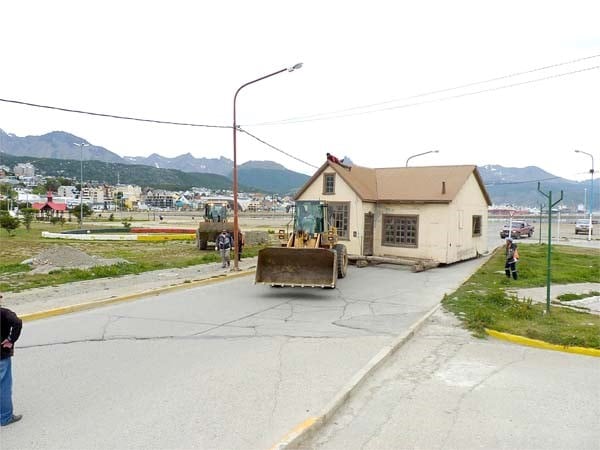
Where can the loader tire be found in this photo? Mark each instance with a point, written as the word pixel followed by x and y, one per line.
pixel 342 260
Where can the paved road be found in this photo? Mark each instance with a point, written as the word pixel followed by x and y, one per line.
pixel 448 390
pixel 228 365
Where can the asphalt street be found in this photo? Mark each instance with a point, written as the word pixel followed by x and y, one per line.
pixel 228 365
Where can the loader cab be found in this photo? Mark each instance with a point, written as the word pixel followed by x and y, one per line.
pixel 215 212
pixel 309 217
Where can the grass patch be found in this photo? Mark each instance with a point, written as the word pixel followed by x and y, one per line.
pixel 142 255
pixel 484 301
pixel 570 297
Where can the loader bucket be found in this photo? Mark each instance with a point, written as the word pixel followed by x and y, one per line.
pixel 303 267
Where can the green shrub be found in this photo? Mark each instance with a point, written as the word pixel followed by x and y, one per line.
pixel 497 297
pixel 9 223
pixel 28 215
pixel 569 297
pixel 521 309
pixel 478 320
pixel 127 222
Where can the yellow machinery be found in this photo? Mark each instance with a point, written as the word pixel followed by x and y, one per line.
pixel 215 221
pixel 309 257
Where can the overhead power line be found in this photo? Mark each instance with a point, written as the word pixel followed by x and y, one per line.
pixel 340 113
pixel 522 182
pixel 112 116
pixel 164 122
pixel 276 149
pixel 337 113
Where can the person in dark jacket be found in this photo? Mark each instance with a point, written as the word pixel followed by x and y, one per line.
pixel 10 330
pixel 512 256
pixel 224 244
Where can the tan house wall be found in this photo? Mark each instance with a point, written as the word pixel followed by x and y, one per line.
pixel 432 231
pixel 468 203
pixel 445 230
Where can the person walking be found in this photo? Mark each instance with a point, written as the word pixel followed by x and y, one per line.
pixel 10 330
pixel 224 244
pixel 512 256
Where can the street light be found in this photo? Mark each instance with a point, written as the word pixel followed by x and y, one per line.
pixel 591 193
pixel 235 180
pixel 81 145
pixel 420 154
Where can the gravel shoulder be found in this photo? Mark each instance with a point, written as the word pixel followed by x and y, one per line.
pixel 46 298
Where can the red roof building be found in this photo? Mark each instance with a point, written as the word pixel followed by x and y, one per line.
pixel 50 208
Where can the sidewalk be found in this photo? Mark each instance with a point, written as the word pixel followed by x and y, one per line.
pixel 449 390
pixel 125 287
pixel 538 295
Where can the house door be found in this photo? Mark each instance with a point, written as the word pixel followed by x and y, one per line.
pixel 368 235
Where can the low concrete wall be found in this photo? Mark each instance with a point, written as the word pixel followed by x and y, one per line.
pixel 256 237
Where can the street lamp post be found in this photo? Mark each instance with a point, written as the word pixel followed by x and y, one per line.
pixel 420 154
pixel 235 178
pixel 591 202
pixel 81 145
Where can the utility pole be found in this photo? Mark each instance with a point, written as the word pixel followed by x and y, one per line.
pixel 81 145
pixel 549 252
pixel 591 193
pixel 420 154
pixel 235 171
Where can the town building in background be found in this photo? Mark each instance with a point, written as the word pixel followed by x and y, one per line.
pixel 49 209
pixel 24 170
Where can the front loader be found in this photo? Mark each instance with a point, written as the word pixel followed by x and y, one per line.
pixel 309 257
pixel 214 221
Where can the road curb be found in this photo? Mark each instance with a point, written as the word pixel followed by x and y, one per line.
pixel 541 344
pixel 125 298
pixel 312 424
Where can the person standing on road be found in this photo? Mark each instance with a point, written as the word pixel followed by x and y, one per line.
pixel 10 330
pixel 512 256
pixel 224 244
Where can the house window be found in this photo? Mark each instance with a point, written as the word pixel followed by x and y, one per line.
pixel 476 225
pixel 400 231
pixel 329 183
pixel 338 217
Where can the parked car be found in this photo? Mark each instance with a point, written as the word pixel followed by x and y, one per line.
pixel 583 226
pixel 520 229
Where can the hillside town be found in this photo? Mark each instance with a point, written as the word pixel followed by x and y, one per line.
pixel 22 184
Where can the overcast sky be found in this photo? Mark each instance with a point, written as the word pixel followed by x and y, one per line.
pixel 183 61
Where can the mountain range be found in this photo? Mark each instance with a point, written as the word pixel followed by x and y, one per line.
pixel 506 185
pixel 266 176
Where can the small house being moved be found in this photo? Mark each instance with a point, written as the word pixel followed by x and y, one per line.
pixel 436 213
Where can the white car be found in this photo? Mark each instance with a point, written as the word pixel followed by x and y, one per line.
pixel 583 226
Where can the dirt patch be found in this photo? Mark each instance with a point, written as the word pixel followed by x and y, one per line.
pixel 66 257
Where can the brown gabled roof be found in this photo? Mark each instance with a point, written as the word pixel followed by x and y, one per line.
pixel 405 184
